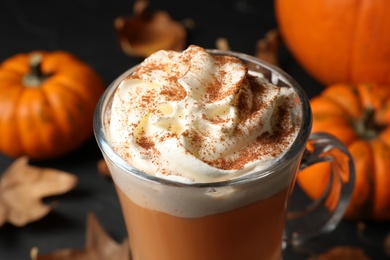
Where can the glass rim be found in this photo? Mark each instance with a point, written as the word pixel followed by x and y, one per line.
pixel 298 144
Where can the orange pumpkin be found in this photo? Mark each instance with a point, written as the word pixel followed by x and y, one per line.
pixel 359 115
pixel 47 101
pixel 338 41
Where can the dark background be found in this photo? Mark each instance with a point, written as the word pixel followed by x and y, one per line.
pixel 85 28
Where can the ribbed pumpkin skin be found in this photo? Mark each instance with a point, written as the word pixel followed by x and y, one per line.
pixel 338 41
pixel 53 118
pixel 358 115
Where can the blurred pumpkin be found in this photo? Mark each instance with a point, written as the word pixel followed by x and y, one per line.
pixel 47 101
pixel 338 41
pixel 359 115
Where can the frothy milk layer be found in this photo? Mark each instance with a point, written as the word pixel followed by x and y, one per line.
pixel 194 118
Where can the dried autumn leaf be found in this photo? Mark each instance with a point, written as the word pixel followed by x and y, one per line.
pixel 22 188
pixel 99 245
pixel 267 48
pixel 222 44
pixel 102 168
pixel 147 32
pixel 360 232
pixel 386 245
pixel 342 252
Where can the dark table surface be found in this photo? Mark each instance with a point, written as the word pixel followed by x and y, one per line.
pixel 85 28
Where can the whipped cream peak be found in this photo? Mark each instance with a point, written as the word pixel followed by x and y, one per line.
pixel 194 117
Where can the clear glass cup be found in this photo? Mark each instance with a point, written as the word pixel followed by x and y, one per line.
pixel 242 219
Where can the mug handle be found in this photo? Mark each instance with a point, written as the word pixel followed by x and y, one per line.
pixel 323 214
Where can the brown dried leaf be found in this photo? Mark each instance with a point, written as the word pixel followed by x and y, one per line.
pixel 360 232
pixel 140 6
pixel 99 245
pixel 386 245
pixel 222 44
pixel 102 168
pixel 188 23
pixel 342 252
pixel 267 48
pixel 145 33
pixel 22 188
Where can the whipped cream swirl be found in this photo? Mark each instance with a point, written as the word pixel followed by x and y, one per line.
pixel 194 117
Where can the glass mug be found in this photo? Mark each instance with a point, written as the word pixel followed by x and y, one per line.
pixel 241 219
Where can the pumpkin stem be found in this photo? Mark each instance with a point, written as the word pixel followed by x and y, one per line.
pixel 35 77
pixel 367 128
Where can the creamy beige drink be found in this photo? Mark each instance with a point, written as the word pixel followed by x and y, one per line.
pixel 203 147
pixel 192 118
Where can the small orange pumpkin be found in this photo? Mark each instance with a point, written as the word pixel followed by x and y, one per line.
pixel 47 101
pixel 338 41
pixel 359 115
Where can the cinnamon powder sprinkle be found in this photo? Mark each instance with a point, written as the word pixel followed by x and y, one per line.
pixel 146 143
pixel 250 92
pixel 266 145
pixel 216 90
